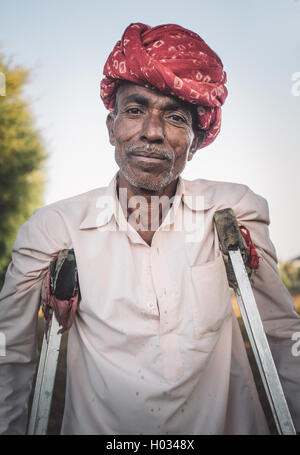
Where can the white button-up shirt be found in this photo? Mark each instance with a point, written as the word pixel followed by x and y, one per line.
pixel 155 347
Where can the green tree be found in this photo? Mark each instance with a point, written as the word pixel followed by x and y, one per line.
pixel 290 275
pixel 22 156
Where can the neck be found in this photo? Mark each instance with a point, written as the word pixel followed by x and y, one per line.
pixel 146 208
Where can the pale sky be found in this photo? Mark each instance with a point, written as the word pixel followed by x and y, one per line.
pixel 66 43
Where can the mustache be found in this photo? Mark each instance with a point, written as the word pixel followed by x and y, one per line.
pixel 149 150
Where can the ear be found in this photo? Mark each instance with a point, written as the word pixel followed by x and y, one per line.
pixel 110 126
pixel 197 141
pixel 193 148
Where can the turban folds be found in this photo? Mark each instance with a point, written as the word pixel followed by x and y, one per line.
pixel 173 60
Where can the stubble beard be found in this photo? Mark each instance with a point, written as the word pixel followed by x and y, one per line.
pixel 146 180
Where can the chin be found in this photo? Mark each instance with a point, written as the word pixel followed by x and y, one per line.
pixel 148 182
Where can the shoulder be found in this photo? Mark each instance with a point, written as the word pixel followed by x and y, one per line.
pixel 217 195
pixel 71 210
pixel 53 224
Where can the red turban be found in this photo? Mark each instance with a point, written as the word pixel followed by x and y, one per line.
pixel 174 60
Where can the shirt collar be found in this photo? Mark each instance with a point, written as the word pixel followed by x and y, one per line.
pixel 101 207
pixel 104 204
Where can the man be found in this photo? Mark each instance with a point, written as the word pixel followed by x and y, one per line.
pixel 154 347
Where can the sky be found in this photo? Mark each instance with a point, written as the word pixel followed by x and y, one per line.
pixel 65 44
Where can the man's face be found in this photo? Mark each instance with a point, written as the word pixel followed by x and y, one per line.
pixel 153 136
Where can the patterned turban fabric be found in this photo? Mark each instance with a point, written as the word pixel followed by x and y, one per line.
pixel 173 60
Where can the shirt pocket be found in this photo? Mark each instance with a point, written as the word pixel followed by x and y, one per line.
pixel 210 297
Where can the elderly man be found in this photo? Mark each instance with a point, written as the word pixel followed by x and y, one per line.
pixel 154 347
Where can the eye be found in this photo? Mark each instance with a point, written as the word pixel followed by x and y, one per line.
pixel 178 118
pixel 133 110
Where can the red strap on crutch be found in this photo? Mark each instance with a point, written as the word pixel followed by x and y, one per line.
pixel 253 258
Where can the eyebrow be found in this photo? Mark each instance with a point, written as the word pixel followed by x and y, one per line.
pixel 136 99
pixel 170 105
pixel 173 106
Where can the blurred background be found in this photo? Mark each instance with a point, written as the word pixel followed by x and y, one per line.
pixel 53 138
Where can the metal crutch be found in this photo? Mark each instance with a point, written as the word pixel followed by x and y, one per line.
pixel 64 285
pixel 232 246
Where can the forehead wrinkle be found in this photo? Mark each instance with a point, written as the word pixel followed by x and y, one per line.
pixel 172 101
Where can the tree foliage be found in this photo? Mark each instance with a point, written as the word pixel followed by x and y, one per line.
pixel 22 156
pixel 290 275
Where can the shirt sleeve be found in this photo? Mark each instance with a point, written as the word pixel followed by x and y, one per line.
pixel 275 304
pixel 37 243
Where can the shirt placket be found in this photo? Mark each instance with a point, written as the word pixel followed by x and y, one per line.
pixel 149 294
pixel 167 303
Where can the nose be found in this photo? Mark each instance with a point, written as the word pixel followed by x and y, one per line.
pixel 153 128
